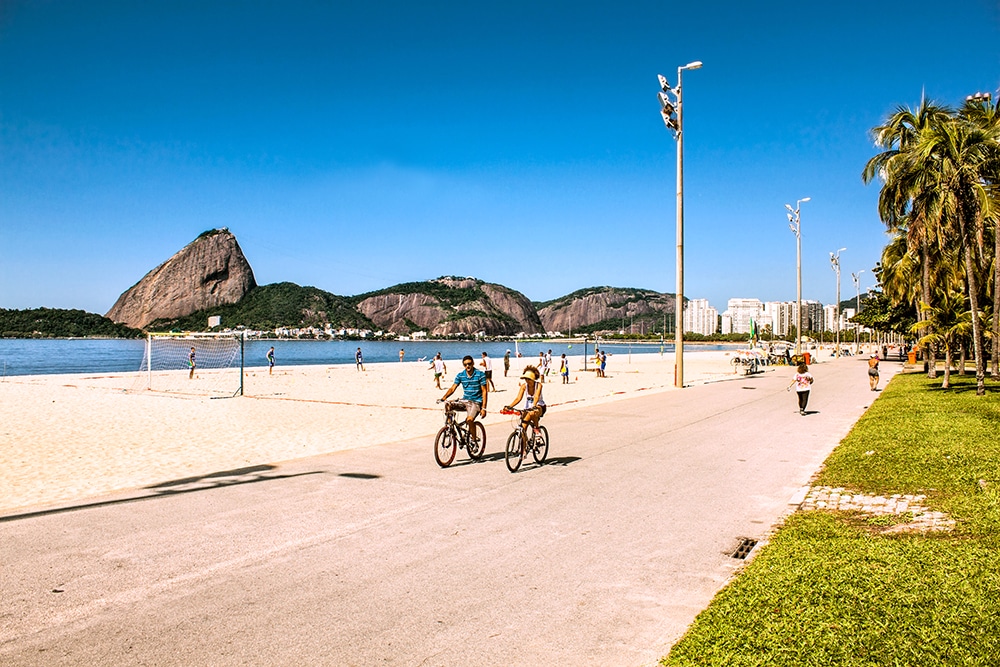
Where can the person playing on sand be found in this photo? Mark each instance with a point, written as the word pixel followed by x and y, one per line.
pixel 534 404
pixel 564 369
pixel 439 369
pixel 475 391
pixel 487 365
pixel 191 363
pixel 270 360
pixel 506 363
pixel 802 381
pixel 359 361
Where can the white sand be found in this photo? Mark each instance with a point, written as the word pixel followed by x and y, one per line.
pixel 67 437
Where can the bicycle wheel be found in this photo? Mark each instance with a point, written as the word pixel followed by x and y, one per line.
pixel 444 447
pixel 476 450
pixel 515 451
pixel 540 448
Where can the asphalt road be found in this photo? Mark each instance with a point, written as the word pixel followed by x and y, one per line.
pixel 603 556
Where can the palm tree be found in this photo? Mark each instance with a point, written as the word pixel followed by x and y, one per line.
pixel 903 200
pixel 986 116
pixel 949 323
pixel 955 157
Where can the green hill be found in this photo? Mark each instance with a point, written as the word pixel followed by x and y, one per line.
pixel 60 323
pixel 267 307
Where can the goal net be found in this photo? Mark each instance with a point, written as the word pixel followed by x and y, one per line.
pixel 196 364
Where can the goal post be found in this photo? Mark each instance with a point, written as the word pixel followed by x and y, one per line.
pixel 193 363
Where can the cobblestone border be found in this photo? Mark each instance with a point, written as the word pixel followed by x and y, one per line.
pixel 915 517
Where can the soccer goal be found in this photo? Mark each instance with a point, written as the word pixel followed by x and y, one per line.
pixel 193 363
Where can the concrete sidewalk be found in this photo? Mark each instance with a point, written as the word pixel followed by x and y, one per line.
pixel 601 557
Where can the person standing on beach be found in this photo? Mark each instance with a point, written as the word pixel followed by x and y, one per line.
pixel 401 353
pixel 191 364
pixel 439 369
pixel 475 391
pixel 873 372
pixel 506 363
pixel 548 362
pixel 270 360
pixel 803 381
pixel 604 363
pixel 542 368
pixel 487 365
pixel 359 361
pixel 564 369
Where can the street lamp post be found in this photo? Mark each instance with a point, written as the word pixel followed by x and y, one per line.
pixel 795 226
pixel 673 117
pixel 857 309
pixel 835 263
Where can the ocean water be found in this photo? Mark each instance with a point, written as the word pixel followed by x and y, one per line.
pixel 44 356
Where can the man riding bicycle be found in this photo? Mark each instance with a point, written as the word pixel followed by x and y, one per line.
pixel 474 391
pixel 534 404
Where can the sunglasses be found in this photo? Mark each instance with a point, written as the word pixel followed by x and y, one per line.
pixel 469 363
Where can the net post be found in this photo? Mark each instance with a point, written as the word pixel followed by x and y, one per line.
pixel 243 338
pixel 149 361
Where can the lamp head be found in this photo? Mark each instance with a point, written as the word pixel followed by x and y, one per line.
pixel 695 65
pixel 805 199
pixel 664 84
pixel 789 207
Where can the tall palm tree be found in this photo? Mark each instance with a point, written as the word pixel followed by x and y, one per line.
pixel 955 156
pixel 986 116
pixel 902 201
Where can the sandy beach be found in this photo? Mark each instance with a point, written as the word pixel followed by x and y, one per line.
pixel 69 437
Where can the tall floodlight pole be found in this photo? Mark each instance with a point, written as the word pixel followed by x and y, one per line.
pixel 857 325
pixel 795 226
pixel 835 263
pixel 673 118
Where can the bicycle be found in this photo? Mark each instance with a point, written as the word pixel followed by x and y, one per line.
pixel 517 448
pixel 454 435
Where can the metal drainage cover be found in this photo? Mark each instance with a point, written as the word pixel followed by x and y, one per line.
pixel 743 549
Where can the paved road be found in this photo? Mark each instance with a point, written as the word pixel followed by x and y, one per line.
pixel 376 556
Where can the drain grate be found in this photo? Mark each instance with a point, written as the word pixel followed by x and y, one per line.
pixel 743 549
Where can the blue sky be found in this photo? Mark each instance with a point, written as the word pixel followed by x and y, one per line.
pixel 352 146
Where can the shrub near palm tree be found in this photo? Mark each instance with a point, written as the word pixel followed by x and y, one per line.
pixel 950 322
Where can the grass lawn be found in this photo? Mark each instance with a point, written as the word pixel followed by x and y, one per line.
pixel 833 588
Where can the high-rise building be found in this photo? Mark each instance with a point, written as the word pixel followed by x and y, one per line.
pixel 741 311
pixel 813 320
pixel 782 314
pixel 700 317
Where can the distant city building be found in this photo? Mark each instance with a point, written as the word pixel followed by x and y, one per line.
pixel 726 323
pixel 782 314
pixel 700 317
pixel 813 311
pixel 830 318
pixel 741 311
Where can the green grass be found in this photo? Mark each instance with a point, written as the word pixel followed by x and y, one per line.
pixel 834 589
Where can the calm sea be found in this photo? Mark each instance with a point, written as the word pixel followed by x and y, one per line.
pixel 42 357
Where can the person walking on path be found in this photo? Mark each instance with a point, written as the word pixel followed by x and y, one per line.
pixel 191 364
pixel 475 391
pixel 487 365
pixel 359 361
pixel 270 360
pixel 564 369
pixel 873 372
pixel 439 369
pixel 506 363
pixel 803 381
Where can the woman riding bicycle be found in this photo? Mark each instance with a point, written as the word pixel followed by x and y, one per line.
pixel 534 405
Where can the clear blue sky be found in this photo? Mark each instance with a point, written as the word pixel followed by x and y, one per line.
pixel 355 145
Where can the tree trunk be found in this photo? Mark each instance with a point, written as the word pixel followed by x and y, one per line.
pixel 946 384
pixel 995 343
pixel 925 285
pixel 977 338
pixel 962 357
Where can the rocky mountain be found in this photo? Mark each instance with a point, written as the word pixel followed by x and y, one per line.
pixel 607 309
pixel 210 271
pixel 450 305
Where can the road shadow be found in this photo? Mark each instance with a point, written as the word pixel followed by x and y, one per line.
pixel 209 482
